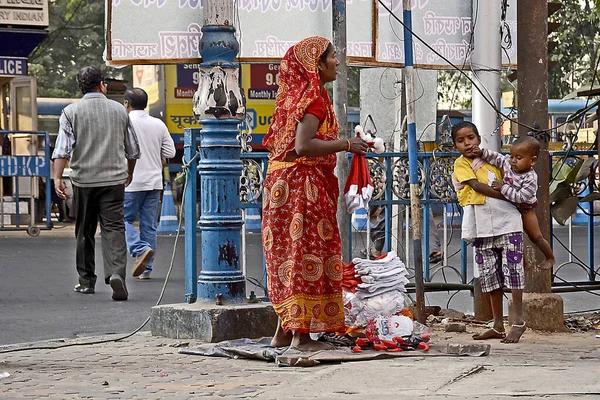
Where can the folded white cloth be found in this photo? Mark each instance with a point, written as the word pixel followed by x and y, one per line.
pixel 359 311
pixel 381 275
pixel 398 283
pixel 381 291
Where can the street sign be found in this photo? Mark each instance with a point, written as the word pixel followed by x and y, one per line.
pixel 13 66
pixel 19 13
pixel 23 166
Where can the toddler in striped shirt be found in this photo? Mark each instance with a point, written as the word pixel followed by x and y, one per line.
pixel 519 186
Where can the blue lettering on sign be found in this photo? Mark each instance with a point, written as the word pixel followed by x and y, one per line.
pixel 13 66
pixel 23 166
pixel 250 118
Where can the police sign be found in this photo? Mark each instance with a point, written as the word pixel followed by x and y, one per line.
pixel 23 166
pixel 13 66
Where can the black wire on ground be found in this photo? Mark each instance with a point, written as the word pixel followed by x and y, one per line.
pixel 160 297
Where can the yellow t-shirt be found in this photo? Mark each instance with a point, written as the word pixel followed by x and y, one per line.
pixel 463 171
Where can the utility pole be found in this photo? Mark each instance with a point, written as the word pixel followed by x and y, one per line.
pixel 415 198
pixel 486 66
pixel 220 106
pixel 541 309
pixel 340 102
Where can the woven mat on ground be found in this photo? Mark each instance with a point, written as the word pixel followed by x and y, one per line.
pixel 260 349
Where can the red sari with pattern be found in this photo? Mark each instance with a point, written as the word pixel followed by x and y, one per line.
pixel 300 234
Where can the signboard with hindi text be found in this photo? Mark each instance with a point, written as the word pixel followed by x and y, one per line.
pixel 18 13
pixel 181 82
pixel 446 26
pixel 169 31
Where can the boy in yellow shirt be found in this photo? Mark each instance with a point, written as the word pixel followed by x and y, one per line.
pixel 494 227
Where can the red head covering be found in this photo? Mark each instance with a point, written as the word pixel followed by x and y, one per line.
pixel 299 87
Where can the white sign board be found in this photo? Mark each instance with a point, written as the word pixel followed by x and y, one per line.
pixel 24 12
pixel 169 31
pixel 445 25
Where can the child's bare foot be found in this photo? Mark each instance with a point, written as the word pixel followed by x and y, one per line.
pixel 516 331
pixel 547 264
pixel 491 333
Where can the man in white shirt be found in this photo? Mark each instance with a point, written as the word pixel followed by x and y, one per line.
pixel 142 196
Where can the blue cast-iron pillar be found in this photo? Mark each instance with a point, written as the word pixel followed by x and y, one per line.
pixel 219 104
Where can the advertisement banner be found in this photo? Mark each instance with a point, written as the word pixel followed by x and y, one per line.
pixel 258 84
pixel 169 31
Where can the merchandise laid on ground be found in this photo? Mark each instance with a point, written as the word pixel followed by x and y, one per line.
pixel 379 324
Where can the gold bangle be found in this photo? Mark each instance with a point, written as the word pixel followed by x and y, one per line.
pixel 349 145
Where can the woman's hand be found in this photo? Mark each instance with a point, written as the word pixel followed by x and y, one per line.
pixel 358 146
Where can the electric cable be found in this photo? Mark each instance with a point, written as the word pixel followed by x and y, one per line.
pixel 533 129
pixel 55 34
pixel 160 297
pixel 569 149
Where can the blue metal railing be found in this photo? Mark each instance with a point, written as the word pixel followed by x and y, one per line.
pixel 388 201
pixel 428 200
pixel 31 166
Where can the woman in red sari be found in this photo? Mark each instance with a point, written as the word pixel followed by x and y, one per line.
pixel 300 234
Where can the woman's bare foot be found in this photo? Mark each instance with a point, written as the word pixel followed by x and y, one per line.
pixel 303 342
pixel 491 333
pixel 516 331
pixel 281 338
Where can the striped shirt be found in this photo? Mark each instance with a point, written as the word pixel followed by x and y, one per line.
pixel 517 188
pixel 66 139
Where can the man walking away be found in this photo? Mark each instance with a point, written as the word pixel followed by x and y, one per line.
pixel 95 136
pixel 142 196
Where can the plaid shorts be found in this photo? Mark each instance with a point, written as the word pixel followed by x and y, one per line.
pixel 500 261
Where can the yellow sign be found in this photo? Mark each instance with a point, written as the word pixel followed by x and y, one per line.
pixel 178 117
pixel 147 77
pixel 258 84
pixel 181 81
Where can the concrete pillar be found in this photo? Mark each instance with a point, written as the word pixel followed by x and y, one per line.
pixel 486 66
pixel 340 102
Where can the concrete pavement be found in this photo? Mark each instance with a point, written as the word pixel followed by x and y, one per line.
pixel 561 366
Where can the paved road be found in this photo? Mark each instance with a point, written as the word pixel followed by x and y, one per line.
pixel 37 276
